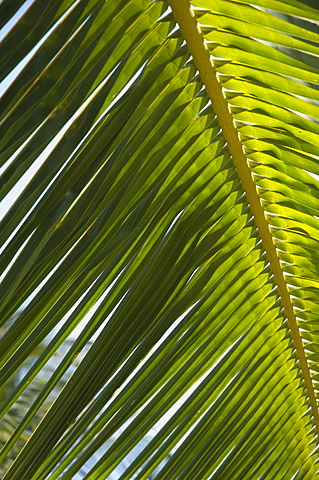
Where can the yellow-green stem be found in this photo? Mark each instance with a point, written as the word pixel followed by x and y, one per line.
pixel 194 39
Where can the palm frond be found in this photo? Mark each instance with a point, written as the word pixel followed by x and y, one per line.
pixel 164 232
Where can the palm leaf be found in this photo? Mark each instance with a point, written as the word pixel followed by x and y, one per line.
pixel 163 165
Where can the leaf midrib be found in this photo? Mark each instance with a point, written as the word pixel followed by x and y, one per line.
pixel 191 32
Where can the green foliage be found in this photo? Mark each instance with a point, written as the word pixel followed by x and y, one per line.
pixel 133 254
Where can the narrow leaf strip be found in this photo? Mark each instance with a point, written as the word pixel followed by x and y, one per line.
pixel 194 39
